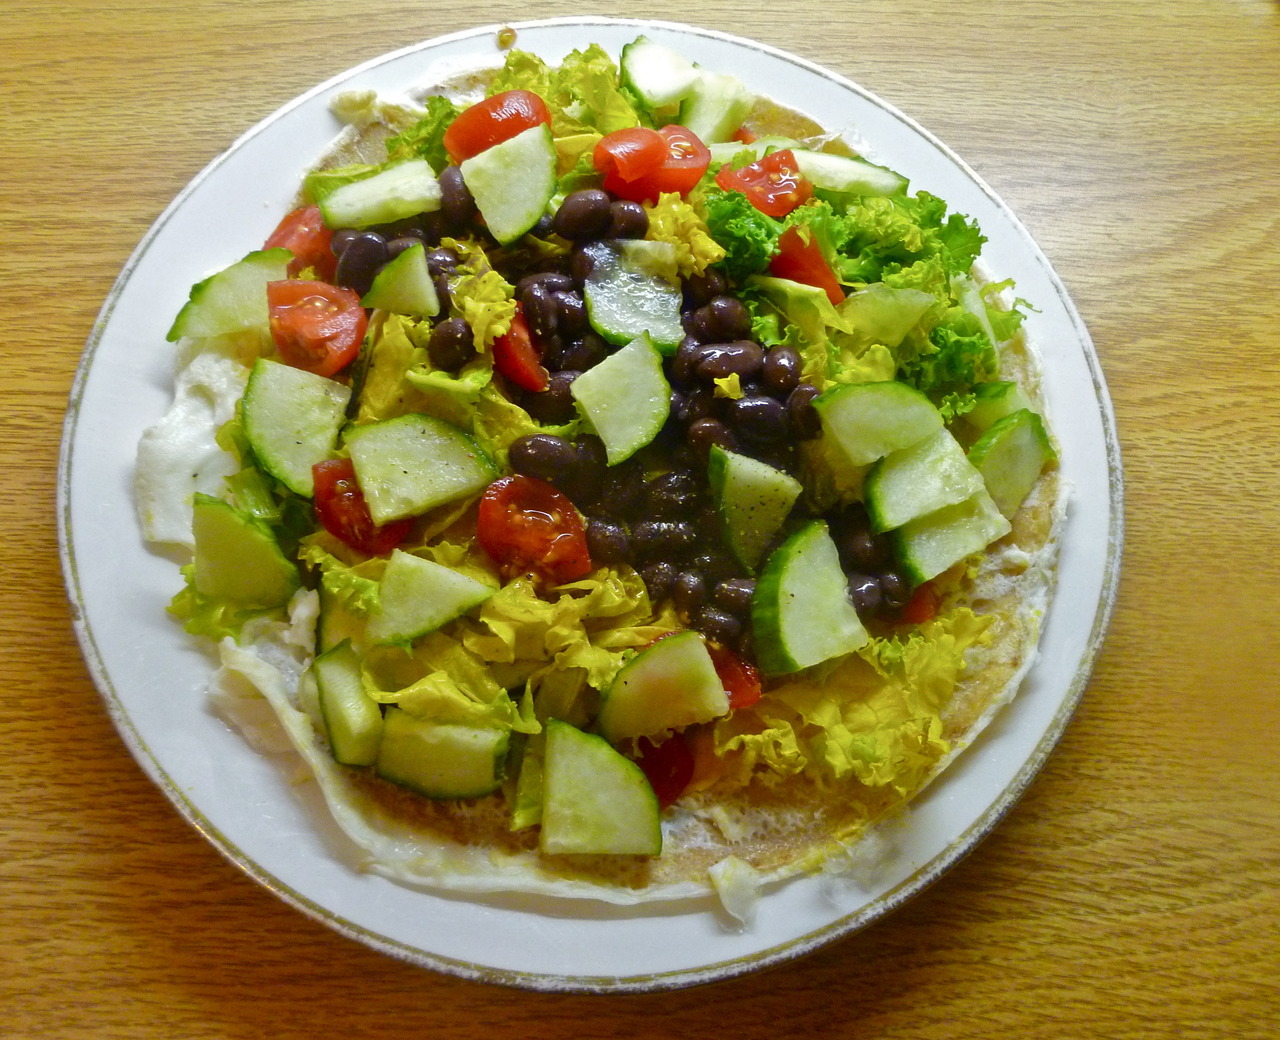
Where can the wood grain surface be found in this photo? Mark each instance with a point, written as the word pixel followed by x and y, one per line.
pixel 1133 890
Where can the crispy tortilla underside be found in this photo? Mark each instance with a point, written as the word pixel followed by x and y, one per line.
pixel 780 828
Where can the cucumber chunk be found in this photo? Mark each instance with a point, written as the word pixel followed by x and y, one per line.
pixel 413 463
pixel 441 760
pixel 726 151
pixel 1010 457
pixel 866 421
pixel 404 286
pixel 291 419
pixel 752 498
pixel 513 182
pixel 801 613
pixel 923 478
pixel 632 290
pixel 843 173
pixel 993 402
pixel 232 300
pixel 657 74
pixel 715 106
pixel 352 719
pixel 237 558
pixel 403 190
pixel 595 800
pixel 626 398
pixel 417 596
pixel 668 685
pixel 930 545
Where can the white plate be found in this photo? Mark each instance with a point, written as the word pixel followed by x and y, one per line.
pixel 152 676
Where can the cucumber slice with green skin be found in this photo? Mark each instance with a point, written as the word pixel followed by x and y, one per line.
pixel 441 760
pixel 403 190
pixel 336 623
pixel 595 800
pixel 726 151
pixel 658 75
pixel 513 182
pixel 669 685
pixel 413 463
pixel 994 401
pixel 626 398
pixel 866 421
pixel 352 719
pixel 1011 456
pixel 404 286
pixel 715 106
pixel 845 174
pixel 417 596
pixel 917 480
pixel 291 419
pixel 237 558
pixel 930 545
pixel 629 292
pixel 801 612
pixel 753 500
pixel 232 300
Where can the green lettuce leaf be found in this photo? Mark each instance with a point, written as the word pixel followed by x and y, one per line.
pixel 748 237
pixel 425 139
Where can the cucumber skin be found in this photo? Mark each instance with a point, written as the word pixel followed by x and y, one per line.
pixel 629 385
pixel 934 471
pixel 319 405
pixel 348 206
pixel 669 685
pixel 230 300
pixel 411 749
pixel 932 544
pixel 769 497
pixel 853 418
pixel 352 719
pixel 237 558
pixel 1011 455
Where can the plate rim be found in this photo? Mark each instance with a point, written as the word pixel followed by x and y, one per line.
pixel 771 955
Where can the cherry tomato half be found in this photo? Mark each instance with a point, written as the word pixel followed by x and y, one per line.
pixel 802 261
pixel 740 679
pixel 515 356
pixel 342 511
pixel 681 167
pixel 304 234
pixel 492 121
pixel 773 184
pixel 921 607
pixel 317 326
pixel 627 154
pixel 527 526
pixel 668 766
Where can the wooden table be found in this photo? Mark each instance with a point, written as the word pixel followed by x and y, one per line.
pixel 1131 893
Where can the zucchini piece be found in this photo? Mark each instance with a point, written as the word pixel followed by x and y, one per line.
pixel 513 182
pixel 801 612
pixel 595 800
pixel 417 596
pixel 666 686
pixel 291 420
pixel 403 190
pixel 404 286
pixel 631 290
pixel 923 478
pixel 413 463
pixel 626 398
pixel 715 106
pixel 237 559
pixel 441 760
pixel 931 544
pixel 352 719
pixel 657 74
pixel 866 421
pixel 1011 456
pixel 843 173
pixel 753 500
pixel 232 300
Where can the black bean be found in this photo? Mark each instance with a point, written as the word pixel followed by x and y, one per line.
pixel 627 219
pixel 864 591
pixel 457 206
pixel 700 288
pixel 859 549
pixel 703 433
pixel 361 258
pixel 443 293
pixel 451 344
pixel 581 262
pixel 571 314
pixel 672 494
pixel 552 281
pixel 895 590
pixel 554 405
pixel 584 214
pixel 715 563
pixel 342 238
pixel 607 541
pixel 718 625
pixel 658 578
pixel 585 353
pixel 441 261
pixel 735 595
pixel 543 227
pixel 742 358
pixel 396 246
pixel 434 226
pixel 762 420
pixel 622 493
pixel 663 539
pixel 781 371
pixel 593 467
pixel 544 456
pixel 540 311
pixel 689 592
pixel 802 417
pixel 721 319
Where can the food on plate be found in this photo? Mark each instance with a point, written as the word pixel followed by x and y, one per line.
pixel 614 485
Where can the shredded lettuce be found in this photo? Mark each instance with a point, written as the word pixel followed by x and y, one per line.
pixel 674 221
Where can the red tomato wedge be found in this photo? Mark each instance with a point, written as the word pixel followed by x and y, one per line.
pixel 801 260
pixel 516 358
pixel 303 233
pixel 492 121
pixel 668 766
pixel 528 526
pixel 773 184
pixel 649 174
pixel 741 680
pixel 317 326
pixel 342 511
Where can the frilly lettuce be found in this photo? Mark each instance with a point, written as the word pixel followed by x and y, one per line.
pixel 748 237
pixel 673 220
